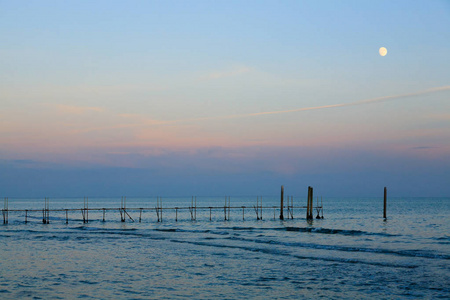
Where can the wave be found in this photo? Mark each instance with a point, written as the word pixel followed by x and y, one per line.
pixel 405 253
pixel 319 230
pixel 272 251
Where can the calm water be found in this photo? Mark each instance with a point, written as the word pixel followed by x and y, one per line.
pixel 352 253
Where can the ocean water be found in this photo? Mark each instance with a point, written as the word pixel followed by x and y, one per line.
pixel 351 253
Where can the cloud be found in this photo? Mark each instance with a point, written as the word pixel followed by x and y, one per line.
pixel 424 148
pixel 361 102
pixel 78 110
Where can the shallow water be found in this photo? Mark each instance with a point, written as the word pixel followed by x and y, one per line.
pixel 352 253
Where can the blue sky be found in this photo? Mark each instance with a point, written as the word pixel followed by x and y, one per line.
pixel 110 98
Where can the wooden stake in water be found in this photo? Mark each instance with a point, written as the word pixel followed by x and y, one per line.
pixel 257 208
pixel 281 203
pixel 309 206
pixel 385 202
pixel 261 217
pixel 87 209
pixel 5 211
pixel 229 207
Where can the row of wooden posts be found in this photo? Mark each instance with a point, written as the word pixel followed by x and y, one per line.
pixel 123 210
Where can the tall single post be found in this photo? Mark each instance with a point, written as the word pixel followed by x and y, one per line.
pixel 385 198
pixel 229 207
pixel 307 203
pixel 87 210
pixel 281 203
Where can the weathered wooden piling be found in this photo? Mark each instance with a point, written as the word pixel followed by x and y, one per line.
pixel 5 210
pixel 122 209
pixel 26 216
pixel 292 207
pixel 103 215
pixel 385 203
pixel 46 212
pixel 309 206
pixel 256 208
pixel 67 216
pixel 191 209
pixel 281 203
pixel 307 203
pixel 229 207
pixel 157 208
pixel 85 210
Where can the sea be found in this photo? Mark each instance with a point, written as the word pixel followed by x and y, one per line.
pixel 353 252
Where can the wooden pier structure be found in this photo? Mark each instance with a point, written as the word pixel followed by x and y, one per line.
pixel 286 202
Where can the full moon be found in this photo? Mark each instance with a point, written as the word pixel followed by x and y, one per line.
pixel 383 51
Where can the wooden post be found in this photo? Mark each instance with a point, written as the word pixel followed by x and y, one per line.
pixel 307 203
pixel 229 207
pixel 140 215
pixel 160 208
pixel 243 217
pixel 87 210
pixel 385 198
pixel 103 215
pixel 321 206
pixel 7 210
pixel 176 214
pixel 281 203
pixel 26 215
pixel 67 217
pixel 210 213
pixel 225 209
pixel 260 217
pixel 309 206
pixel 292 207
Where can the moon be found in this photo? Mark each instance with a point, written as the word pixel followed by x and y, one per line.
pixel 383 51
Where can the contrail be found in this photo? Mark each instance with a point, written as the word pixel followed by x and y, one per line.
pixel 360 102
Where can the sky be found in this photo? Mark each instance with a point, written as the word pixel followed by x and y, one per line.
pixel 180 98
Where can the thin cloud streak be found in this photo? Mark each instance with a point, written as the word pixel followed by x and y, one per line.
pixel 152 122
pixel 361 102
